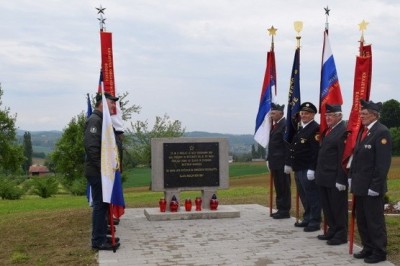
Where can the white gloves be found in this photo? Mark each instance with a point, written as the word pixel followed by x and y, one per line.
pixel 310 175
pixel 340 187
pixel 372 193
pixel 287 169
pixel 266 163
pixel 349 182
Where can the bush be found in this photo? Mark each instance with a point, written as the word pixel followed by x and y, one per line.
pixel 9 189
pixel 45 187
pixel 78 187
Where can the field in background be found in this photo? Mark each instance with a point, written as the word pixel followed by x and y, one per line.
pixel 56 231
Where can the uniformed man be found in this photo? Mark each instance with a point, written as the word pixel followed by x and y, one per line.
pixel 276 161
pixel 368 172
pixel 302 159
pixel 331 177
pixel 92 143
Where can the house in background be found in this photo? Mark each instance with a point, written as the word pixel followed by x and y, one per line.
pixel 38 170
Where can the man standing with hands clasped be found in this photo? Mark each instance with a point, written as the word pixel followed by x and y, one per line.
pixel 369 167
pixel 302 159
pixel 276 161
pixel 331 177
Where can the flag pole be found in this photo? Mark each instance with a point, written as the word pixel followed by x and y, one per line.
pixel 362 27
pixel 101 19
pixel 325 224
pixel 298 26
pixel 271 32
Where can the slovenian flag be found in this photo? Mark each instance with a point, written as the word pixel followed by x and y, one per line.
pixel 263 121
pixel 329 89
pixel 88 188
pixel 110 174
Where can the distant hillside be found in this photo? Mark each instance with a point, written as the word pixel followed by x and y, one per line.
pixel 237 143
pixel 44 141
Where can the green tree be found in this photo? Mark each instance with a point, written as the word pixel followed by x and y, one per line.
pixel 390 113
pixel 69 155
pixel 28 152
pixel 11 154
pixel 395 133
pixel 139 136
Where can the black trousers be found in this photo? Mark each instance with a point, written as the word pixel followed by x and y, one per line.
pixel 335 207
pixel 371 223
pixel 282 190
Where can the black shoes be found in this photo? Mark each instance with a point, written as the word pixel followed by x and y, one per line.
pixel 374 258
pixel 106 246
pixel 311 228
pixel 324 237
pixel 335 242
pixel 281 215
pixel 362 254
pixel 301 224
pixel 109 240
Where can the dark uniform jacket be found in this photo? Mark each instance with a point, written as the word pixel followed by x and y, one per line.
pixel 276 147
pixel 329 166
pixel 371 161
pixel 92 143
pixel 303 151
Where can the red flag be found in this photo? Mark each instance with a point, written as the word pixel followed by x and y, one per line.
pixel 107 64
pixel 361 90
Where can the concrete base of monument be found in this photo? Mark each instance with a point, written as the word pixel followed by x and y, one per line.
pixel 154 214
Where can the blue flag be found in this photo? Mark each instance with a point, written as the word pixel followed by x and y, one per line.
pixel 293 100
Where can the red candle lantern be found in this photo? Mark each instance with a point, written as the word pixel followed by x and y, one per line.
pixel 163 205
pixel 213 202
pixel 188 205
pixel 174 204
pixel 198 202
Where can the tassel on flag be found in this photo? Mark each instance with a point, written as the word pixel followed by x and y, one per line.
pixel 263 121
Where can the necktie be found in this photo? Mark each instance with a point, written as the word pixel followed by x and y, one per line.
pixel 328 131
pixel 364 133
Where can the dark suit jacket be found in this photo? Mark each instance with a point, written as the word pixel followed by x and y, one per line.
pixel 276 146
pixel 329 165
pixel 303 151
pixel 371 161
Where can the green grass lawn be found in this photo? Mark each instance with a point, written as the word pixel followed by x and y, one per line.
pixel 56 230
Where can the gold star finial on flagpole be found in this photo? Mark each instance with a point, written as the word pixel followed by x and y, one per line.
pixel 272 32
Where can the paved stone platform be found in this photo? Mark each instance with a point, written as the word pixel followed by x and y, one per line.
pixel 254 238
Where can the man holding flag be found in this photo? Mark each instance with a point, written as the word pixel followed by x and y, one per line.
pixel 93 170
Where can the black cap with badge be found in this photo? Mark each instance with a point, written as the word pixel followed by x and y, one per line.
pixel 308 107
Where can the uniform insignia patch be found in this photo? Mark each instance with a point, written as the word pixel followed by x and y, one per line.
pixel 93 130
pixel 384 141
pixel 317 137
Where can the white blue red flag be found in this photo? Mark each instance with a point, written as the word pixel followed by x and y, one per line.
pixel 263 121
pixel 330 88
pixel 110 174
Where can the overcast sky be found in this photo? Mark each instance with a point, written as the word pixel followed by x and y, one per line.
pixel 201 61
